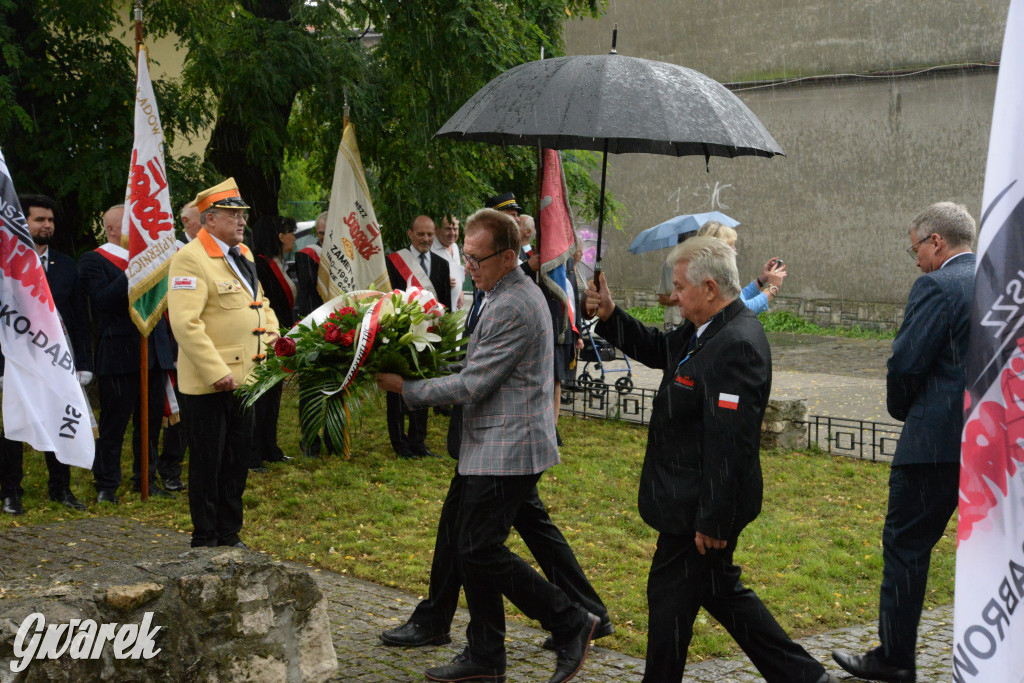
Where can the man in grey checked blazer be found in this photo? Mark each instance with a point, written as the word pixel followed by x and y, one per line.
pixel 508 440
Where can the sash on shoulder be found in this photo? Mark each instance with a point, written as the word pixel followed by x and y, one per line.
pixel 313 252
pixel 114 253
pixel 410 269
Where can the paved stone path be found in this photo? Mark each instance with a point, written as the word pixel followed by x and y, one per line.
pixel 37 557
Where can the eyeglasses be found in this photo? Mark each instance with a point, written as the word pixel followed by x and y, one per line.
pixel 474 263
pixel 235 215
pixel 912 249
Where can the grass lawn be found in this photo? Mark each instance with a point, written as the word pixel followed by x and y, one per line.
pixel 814 554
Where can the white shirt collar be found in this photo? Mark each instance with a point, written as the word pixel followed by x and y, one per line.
pixel 954 256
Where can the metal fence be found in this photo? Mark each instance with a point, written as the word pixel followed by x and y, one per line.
pixel 861 439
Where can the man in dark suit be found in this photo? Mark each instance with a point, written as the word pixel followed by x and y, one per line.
pixel 416 266
pixel 102 274
pixel 431 621
pixel 67 295
pixel 925 388
pixel 701 479
pixel 508 440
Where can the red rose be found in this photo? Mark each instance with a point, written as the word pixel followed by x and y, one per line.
pixel 332 335
pixel 284 346
pixel 327 327
pixel 347 310
pixel 348 338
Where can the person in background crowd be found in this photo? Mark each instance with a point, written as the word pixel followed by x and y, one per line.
pixel 416 265
pixel 62 278
pixel 701 481
pixel 761 291
pixel 446 246
pixel 190 222
pixel 118 357
pixel 222 321
pixel 307 300
pixel 672 319
pixel 273 237
pixel 307 269
pixel 925 385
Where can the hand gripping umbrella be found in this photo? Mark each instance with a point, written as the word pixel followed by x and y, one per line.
pixel 611 103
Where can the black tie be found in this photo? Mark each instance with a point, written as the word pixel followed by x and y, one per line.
pixel 474 314
pixel 423 264
pixel 243 267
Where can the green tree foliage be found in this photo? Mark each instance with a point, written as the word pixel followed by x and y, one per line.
pixel 269 79
pixel 66 100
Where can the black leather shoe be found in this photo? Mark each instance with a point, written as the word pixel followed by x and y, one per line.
pixel 174 484
pixel 464 669
pixel 572 652
pixel 283 458
pixel 871 668
pixel 406 454
pixel 106 497
pixel 410 634
pixel 236 544
pixel 425 453
pixel 68 500
pixel 604 628
pixel 12 506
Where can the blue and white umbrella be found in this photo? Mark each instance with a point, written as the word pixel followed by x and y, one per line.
pixel 665 235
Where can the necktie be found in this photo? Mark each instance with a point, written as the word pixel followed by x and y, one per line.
pixel 423 263
pixel 243 267
pixel 474 315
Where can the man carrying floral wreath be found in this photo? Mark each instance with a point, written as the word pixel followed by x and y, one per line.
pixel 508 440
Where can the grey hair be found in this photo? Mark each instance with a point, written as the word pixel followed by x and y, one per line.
pixel 709 258
pixel 952 222
pixel 321 217
pixel 208 212
pixel 527 226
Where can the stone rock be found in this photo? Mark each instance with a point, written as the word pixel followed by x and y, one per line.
pixel 783 426
pixel 211 616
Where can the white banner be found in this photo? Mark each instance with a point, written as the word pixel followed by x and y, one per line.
pixel 148 219
pixel 43 403
pixel 353 252
pixel 989 605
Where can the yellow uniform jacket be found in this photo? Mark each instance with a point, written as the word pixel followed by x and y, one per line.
pixel 218 327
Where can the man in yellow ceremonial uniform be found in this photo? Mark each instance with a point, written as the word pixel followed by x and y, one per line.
pixel 222 323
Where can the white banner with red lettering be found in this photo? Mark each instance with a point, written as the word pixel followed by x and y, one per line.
pixel 43 403
pixel 148 218
pixel 989 605
pixel 353 252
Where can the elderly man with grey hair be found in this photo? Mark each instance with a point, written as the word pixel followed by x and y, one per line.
pixel 701 480
pixel 925 386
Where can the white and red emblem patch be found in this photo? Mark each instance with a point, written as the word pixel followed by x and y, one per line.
pixel 730 401
pixel 183 283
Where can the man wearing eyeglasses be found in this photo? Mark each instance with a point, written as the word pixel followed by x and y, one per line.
pixel 508 441
pixel 924 388
pixel 222 322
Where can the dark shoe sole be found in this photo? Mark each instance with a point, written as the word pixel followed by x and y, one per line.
pixel 443 639
pixel 465 679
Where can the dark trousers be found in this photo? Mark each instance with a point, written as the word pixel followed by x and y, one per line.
pixel 267 410
pixel 922 499
pixel 400 441
pixel 219 431
pixel 490 570
pixel 12 470
pixel 681 581
pixel 175 443
pixel 119 402
pixel 546 543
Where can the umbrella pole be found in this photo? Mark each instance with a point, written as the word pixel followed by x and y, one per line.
pixel 540 189
pixel 600 217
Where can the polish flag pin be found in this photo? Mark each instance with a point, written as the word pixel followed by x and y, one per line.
pixel 730 401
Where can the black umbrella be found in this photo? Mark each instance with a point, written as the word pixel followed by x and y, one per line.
pixel 611 103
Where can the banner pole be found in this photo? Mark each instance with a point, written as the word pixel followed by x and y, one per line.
pixel 143 340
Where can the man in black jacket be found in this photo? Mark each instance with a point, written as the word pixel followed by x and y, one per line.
pixel 701 479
